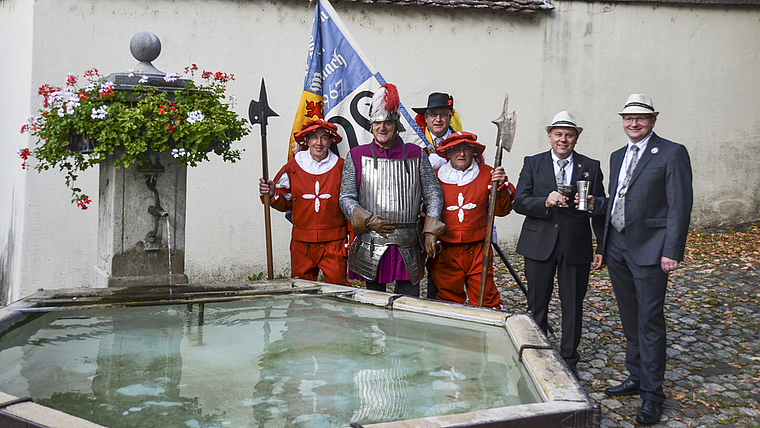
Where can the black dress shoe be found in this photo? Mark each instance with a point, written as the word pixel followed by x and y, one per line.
pixel 628 387
pixel 650 413
pixel 574 371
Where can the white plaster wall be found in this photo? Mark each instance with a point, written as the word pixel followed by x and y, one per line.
pixel 698 63
pixel 15 56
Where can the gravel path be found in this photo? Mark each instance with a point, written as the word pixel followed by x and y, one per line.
pixel 713 313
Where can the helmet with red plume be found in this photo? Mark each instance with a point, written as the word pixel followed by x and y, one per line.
pixel 385 106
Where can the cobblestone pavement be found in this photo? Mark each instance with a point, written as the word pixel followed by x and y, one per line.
pixel 713 313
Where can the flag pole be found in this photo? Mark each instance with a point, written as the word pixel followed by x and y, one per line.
pixel 258 112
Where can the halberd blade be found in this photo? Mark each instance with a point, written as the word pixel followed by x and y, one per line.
pixel 259 111
pixel 507 123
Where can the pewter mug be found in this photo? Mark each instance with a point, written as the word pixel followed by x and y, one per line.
pixel 582 194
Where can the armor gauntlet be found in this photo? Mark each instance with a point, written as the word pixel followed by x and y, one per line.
pixel 433 229
pixel 362 220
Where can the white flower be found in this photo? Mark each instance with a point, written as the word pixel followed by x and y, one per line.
pixel 178 152
pixel 31 119
pixel 143 79
pixel 131 72
pixel 233 98
pixel 72 104
pixel 56 99
pixel 99 113
pixel 195 116
pixel 106 87
pixel 61 112
pixel 90 86
pixel 171 77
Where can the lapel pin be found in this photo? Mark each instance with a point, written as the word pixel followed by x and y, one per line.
pixel 655 150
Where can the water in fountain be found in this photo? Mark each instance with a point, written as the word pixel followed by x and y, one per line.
pixel 289 362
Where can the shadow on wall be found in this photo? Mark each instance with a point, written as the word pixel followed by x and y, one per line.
pixel 731 211
pixel 5 259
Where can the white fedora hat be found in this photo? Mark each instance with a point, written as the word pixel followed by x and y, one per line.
pixel 564 118
pixel 639 104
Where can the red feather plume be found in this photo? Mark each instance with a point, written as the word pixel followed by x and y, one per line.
pixel 391 98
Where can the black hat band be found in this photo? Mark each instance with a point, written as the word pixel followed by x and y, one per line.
pixel 648 107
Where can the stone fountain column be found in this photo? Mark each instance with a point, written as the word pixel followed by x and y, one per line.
pixel 135 244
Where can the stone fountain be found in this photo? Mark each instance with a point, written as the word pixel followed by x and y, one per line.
pixel 141 211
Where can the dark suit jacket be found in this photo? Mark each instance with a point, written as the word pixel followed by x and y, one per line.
pixel 542 226
pixel 657 203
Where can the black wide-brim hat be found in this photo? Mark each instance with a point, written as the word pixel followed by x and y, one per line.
pixel 437 100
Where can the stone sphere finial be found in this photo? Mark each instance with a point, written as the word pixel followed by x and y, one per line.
pixel 145 46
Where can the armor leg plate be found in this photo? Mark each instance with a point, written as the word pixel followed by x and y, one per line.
pixel 414 260
pixel 364 258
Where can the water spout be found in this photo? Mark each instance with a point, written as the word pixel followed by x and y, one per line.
pixel 156 211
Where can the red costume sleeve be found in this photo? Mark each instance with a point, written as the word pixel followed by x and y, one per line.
pixel 505 194
pixel 279 202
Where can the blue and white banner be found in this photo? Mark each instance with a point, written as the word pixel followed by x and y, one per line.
pixel 339 84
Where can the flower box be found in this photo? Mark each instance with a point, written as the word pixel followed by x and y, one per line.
pixel 77 127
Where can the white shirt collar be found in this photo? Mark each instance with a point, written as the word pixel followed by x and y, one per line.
pixel 445 135
pixel 555 158
pixel 642 145
pixel 628 158
pixel 568 170
pixel 308 164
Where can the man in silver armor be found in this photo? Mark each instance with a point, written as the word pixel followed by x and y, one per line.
pixel 383 188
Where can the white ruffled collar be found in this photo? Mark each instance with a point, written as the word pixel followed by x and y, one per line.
pixel 447 174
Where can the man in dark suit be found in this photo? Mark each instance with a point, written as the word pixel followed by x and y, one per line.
pixel 647 220
pixel 556 238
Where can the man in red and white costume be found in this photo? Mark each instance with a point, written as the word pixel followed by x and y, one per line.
pixel 309 185
pixel 466 182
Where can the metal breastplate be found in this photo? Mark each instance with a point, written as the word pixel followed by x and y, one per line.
pixel 390 188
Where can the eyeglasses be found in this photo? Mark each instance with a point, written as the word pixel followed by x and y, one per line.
pixel 438 115
pixel 637 119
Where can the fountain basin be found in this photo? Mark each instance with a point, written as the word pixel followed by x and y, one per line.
pixel 316 311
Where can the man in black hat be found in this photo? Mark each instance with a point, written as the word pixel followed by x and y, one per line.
pixel 435 121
